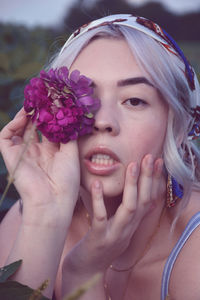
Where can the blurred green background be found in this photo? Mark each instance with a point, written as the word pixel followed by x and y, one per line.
pixel 24 51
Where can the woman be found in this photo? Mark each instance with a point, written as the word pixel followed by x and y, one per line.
pixel 138 172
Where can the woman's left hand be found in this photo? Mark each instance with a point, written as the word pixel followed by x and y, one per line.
pixel 107 239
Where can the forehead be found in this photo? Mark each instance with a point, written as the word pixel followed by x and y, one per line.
pixel 107 57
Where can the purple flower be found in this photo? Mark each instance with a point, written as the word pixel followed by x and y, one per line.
pixel 61 104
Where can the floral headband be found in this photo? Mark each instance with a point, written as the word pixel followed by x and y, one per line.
pixel 63 106
pixel 144 25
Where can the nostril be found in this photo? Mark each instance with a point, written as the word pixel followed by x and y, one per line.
pixel 109 129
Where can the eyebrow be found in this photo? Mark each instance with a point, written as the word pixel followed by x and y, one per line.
pixel 130 81
pixel 133 81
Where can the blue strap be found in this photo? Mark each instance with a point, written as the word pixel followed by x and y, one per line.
pixel 191 226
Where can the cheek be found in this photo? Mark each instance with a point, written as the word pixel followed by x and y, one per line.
pixel 112 186
pixel 82 141
pixel 147 139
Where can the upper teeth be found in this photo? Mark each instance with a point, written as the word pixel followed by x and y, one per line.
pixel 102 159
pixel 101 156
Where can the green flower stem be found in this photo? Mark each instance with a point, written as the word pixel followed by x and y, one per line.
pixel 83 288
pixel 38 293
pixel 11 177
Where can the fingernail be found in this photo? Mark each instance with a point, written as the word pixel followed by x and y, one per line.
pixel 20 114
pixel 159 166
pixel 97 184
pixel 150 161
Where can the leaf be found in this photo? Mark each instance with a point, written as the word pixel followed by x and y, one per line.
pixel 13 290
pixel 9 270
pixel 89 115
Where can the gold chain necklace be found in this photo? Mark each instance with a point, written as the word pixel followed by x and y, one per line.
pixel 146 249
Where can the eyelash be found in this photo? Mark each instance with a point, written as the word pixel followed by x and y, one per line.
pixel 137 100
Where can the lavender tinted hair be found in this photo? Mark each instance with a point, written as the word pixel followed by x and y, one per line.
pixel 181 156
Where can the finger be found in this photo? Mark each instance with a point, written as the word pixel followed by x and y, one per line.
pixel 157 175
pixel 11 136
pixel 52 147
pixel 30 133
pixel 99 220
pixel 20 113
pixel 13 128
pixel 70 149
pixel 128 207
pixel 145 183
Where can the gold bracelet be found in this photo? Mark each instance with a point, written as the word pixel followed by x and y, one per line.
pixel 122 270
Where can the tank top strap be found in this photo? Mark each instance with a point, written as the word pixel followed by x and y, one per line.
pixel 193 223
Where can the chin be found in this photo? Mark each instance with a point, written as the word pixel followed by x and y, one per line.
pixel 111 187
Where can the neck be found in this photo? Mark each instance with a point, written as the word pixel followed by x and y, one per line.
pixel 151 223
pixel 144 237
pixel 112 205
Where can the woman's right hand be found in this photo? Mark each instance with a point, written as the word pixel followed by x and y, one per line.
pixel 48 175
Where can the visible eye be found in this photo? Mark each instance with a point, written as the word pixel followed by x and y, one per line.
pixel 135 101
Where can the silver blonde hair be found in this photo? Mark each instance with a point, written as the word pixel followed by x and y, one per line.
pixel 181 156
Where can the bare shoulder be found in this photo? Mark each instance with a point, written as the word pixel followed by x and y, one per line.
pixel 185 277
pixel 8 231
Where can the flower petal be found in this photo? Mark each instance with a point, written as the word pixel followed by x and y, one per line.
pixel 62 105
pixel 87 100
pixel 74 76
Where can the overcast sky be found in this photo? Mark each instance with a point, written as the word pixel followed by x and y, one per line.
pixel 51 12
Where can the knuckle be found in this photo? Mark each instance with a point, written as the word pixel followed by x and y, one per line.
pixel 146 202
pixel 100 218
pixel 130 210
pixel 157 176
pixel 148 173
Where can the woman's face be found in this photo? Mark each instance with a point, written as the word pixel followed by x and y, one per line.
pixel 131 121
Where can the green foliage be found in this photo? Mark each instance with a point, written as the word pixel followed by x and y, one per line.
pixel 9 270
pixel 23 53
pixel 83 288
pixel 181 27
pixel 13 290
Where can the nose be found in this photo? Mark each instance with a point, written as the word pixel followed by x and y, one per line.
pixel 106 121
